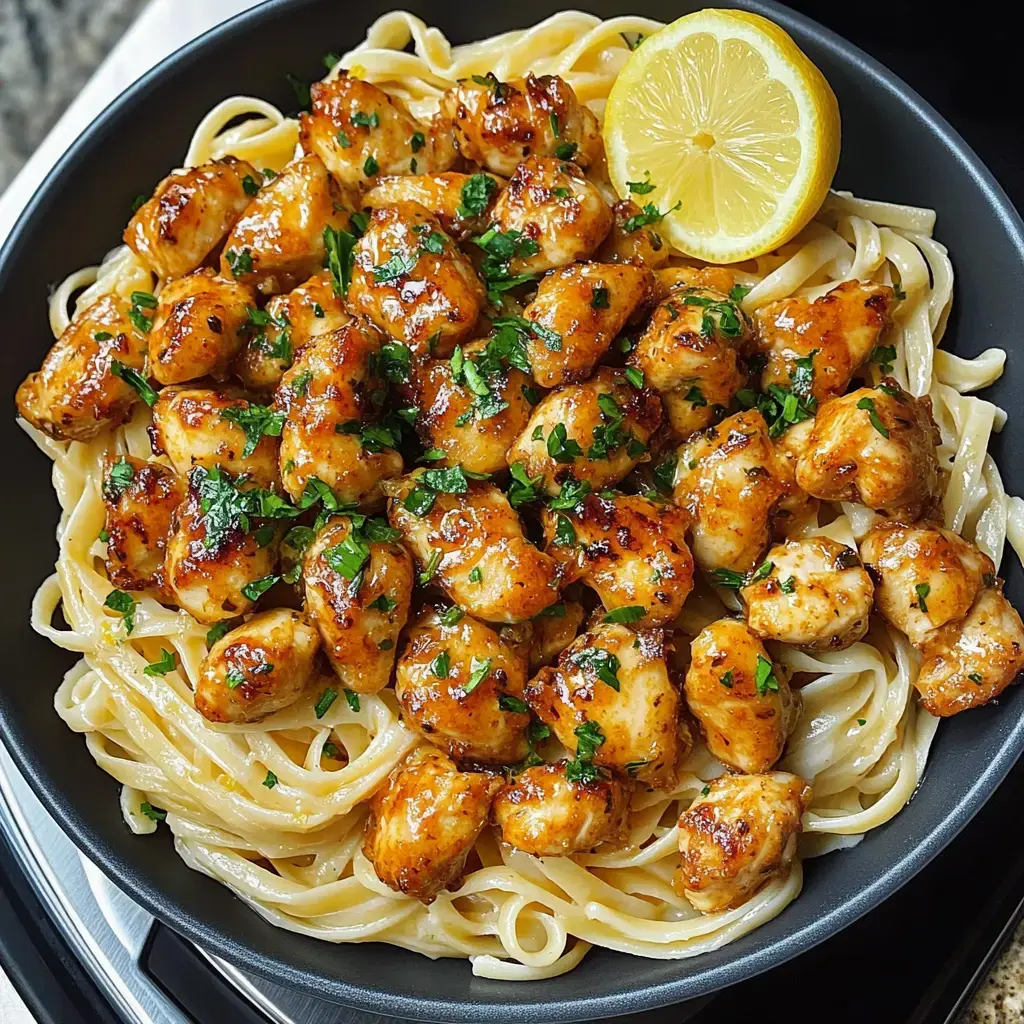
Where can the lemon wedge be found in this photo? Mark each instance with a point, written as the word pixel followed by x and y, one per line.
pixel 735 128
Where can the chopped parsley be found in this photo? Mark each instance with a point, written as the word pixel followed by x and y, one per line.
pixel 868 405
pixel 627 614
pixel 216 632
pixel 124 604
pixel 763 571
pixel 239 261
pixel 339 246
pixel 884 356
pixel 565 534
pixel 151 812
pixel 738 292
pixel 635 377
pixel 764 676
pixel 324 702
pixel 501 248
pixel 726 680
pixel 649 215
pixel 257 588
pixel 271 780
pixel 352 699
pixel 642 188
pixel 417 142
pixel 476 195
pixel 728 578
pixel 922 590
pixel 514 705
pixel 602 663
pixel 362 120
pixel 566 150
pixel 724 317
pixel 383 604
pixel 599 298
pixel 370 167
pixel 430 569
pixel 135 380
pixel 441 665
pixel 452 616
pixel 570 495
pixel 581 768
pixel 256 421
pixel 480 669
pixel 664 474
pixel 167 662
pixel 553 611
pixel 249 185
pixel 561 447
pixel 523 489
pixel 788 585
pixel 475 575
pixel 397 266
pixel 975 677
pixel 118 479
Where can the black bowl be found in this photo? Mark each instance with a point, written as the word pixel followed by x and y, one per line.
pixel 895 147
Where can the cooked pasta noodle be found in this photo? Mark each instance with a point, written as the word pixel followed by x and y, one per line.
pixel 294 851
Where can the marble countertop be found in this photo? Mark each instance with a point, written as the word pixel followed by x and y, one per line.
pixel 46 56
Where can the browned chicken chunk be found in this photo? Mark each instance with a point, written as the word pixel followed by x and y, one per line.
pixel 737 837
pixel 424 821
pixel 541 812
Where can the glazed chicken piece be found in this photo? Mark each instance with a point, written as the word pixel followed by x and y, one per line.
pixel 358 585
pixel 728 479
pixel 797 508
pixel 200 326
pixel 285 327
pixel 632 551
pixel 720 280
pixel 359 131
pixel 413 282
pixel 329 399
pixel 927 576
pixel 500 124
pixel 76 394
pixel 424 821
pixel 258 668
pixel 209 565
pixel 190 214
pixel 140 498
pixel 690 352
pixel 875 446
pixel 586 305
pixel 205 427
pixel 553 630
pixel 460 202
pixel 542 813
pixel 737 837
pixel 280 240
pixel 553 206
pixel 594 432
pixel 614 683
pixel 461 687
pixel 631 242
pixel 471 543
pixel 743 702
pixel 838 331
pixel 812 593
pixel 473 430
pixel 968 663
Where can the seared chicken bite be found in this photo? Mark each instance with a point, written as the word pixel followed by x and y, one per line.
pixel 359 131
pixel 358 584
pixel 875 446
pixel 553 630
pixel 968 663
pixel 461 687
pixel 198 327
pixel 585 305
pixel 258 668
pixel 594 432
pixel 632 551
pixel 190 214
pixel 413 282
pixel 140 497
pixel 743 702
pixel 629 241
pixel 285 327
pixel 332 397
pixel 472 417
pixel 796 508
pixel 812 593
pixel 460 202
pixel 560 215
pixel 720 280
pixel 728 480
pixel 738 837
pixel 76 393
pixel 280 240
pixel 471 543
pixel 610 699
pixel 499 124
pixel 210 564
pixel 424 821
pixel 541 812
pixel 839 330
pixel 204 427
pixel 927 576
pixel 689 353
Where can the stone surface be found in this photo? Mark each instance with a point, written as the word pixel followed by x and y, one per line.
pixel 48 50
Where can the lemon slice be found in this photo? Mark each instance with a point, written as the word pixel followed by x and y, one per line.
pixel 726 117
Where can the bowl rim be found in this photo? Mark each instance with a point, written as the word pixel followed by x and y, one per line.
pixel 212 939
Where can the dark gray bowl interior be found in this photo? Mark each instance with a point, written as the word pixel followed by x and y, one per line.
pixel 895 147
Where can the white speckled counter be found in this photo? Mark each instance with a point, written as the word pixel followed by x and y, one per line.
pixel 163 26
